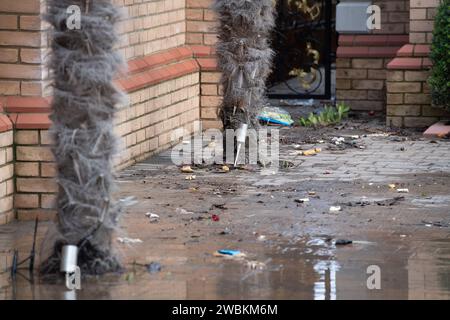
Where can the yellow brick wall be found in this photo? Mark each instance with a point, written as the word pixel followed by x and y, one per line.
pixel 409 101
pixel 200 22
pixel 145 124
pixel 34 173
pixel 22 48
pixel 422 20
pixel 394 16
pixel 6 177
pixel 360 82
pixel 150 26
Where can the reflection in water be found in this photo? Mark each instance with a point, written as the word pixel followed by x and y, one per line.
pixel 280 269
pixel 325 287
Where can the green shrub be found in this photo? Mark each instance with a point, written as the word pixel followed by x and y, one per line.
pixel 440 55
pixel 330 115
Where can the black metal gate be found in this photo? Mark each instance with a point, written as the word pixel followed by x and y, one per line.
pixel 303 42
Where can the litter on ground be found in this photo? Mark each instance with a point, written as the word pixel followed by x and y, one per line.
pixel 129 240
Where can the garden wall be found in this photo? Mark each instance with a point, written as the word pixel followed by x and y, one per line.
pixel 387 71
pixel 362 59
pixel 171 82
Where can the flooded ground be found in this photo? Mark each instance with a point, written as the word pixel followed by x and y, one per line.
pixel 291 250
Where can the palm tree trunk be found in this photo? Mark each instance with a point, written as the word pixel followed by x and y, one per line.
pixel 83 65
pixel 245 57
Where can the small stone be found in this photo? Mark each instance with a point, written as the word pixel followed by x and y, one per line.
pixel 154 267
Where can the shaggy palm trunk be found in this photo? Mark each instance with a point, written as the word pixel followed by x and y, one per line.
pixel 83 64
pixel 244 56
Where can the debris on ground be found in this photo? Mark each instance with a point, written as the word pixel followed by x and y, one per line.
pixel 229 253
pixel 154 267
pixel 285 164
pixel 335 209
pixel 390 202
pixel 338 140
pixel 187 169
pixel 129 240
pixel 182 211
pixel 303 200
pixel 340 143
pixel 342 242
pixel 438 224
pixel 225 168
pixel 153 217
pixel 358 203
pixel 363 203
pixel 310 152
pixel 225 232
pixel 190 177
pixel 221 206
pixel 392 186
pixel 215 218
pixel 403 190
pixel 275 115
pixel 129 277
pixel 262 238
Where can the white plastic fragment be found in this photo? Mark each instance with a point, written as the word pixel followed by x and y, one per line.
pixel 152 216
pixel 129 240
pixel 335 208
pixel 182 211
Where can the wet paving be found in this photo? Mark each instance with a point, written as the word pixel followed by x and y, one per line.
pixel 290 250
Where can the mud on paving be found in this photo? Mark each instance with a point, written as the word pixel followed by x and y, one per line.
pixel 315 230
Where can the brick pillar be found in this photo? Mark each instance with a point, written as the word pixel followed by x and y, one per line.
pixel 200 33
pixel 22 48
pixel 200 22
pixel 6 170
pixel 422 13
pixel 35 171
pixel 408 93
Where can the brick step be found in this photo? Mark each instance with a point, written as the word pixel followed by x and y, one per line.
pixel 411 57
pixel 370 46
pixel 167 65
pixel 367 52
pixel 373 40
pixel 15 104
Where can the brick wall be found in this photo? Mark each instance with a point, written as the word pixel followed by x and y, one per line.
pixel 361 69
pixel 361 82
pixel 408 93
pixel 200 22
pixel 409 101
pixel 394 16
pixel 362 59
pixel 22 48
pixel 6 170
pixel 422 20
pixel 150 26
pixel 172 82
pixel 146 124
pixel 34 173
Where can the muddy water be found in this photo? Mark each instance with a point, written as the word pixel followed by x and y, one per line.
pixel 274 268
pixel 289 247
